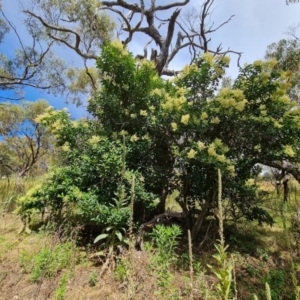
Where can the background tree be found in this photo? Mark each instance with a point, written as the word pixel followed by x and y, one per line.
pixel 35 63
pixel 23 141
pixel 78 26
pixel 168 34
pixel 287 54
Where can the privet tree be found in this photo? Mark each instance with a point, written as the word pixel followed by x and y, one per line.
pixel 178 132
pixel 92 186
pixel 181 131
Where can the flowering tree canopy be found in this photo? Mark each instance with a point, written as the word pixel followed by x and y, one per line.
pixel 178 132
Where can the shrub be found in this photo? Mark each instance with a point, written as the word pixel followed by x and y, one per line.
pixel 83 190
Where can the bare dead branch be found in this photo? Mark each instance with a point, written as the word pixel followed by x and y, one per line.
pixel 132 7
pixel 292 31
pixel 168 72
pixel 195 39
pixel 175 4
pixel 221 25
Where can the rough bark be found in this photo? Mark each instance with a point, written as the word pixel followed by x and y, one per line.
pixel 201 217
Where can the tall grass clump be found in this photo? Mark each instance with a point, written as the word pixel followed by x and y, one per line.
pixel 130 293
pixel 11 189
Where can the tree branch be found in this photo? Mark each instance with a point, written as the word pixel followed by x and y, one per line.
pixel 61 40
pixel 285 166
pixel 76 49
pixel 164 56
pixel 90 76
pixel 171 5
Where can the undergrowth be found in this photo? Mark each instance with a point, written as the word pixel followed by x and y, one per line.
pixel 250 261
pixel 49 261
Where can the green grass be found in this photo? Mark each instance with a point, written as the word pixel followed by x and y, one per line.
pixel 48 261
pixel 62 289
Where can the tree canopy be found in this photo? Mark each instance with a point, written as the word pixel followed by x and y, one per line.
pixel 167 35
pixel 23 141
pixel 287 54
pixel 177 133
pixel 35 62
pixel 291 1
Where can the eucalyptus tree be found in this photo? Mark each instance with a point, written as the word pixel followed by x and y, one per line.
pixel 287 54
pixel 23 141
pixel 80 28
pixel 36 63
pixel 33 64
pixel 168 34
pixel 291 1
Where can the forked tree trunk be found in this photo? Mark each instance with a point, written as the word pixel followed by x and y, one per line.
pixel 286 188
pixel 278 178
pixel 201 217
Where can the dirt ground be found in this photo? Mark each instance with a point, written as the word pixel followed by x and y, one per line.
pixel 264 255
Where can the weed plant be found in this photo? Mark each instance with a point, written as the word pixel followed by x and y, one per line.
pixel 224 268
pixel 93 278
pixel 166 240
pixel 276 280
pixel 62 289
pixel 48 261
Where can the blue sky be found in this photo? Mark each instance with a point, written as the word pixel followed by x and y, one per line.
pixel 257 23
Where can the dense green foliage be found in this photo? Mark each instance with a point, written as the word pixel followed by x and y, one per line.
pixel 88 185
pixel 177 133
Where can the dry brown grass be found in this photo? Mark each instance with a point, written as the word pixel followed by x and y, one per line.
pixel 264 250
